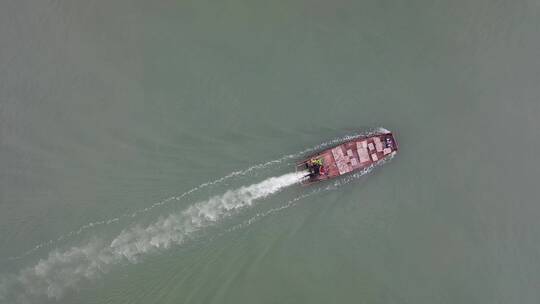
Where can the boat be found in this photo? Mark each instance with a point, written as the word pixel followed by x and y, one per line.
pixel 350 156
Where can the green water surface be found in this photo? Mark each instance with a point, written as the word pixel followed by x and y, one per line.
pixel 109 107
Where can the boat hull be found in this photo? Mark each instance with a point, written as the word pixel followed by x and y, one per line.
pixel 350 156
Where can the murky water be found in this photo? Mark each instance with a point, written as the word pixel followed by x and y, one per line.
pixel 145 151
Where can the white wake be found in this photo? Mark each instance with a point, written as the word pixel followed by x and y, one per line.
pixel 53 276
pixel 171 199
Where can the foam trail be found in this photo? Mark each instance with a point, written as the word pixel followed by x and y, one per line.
pixel 62 271
pixel 233 174
pixel 160 203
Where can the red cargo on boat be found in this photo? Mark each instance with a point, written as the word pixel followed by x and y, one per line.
pixel 353 155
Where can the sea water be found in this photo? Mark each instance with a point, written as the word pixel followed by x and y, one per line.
pixel 129 128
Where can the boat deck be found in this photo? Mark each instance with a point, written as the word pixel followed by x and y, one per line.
pixel 352 155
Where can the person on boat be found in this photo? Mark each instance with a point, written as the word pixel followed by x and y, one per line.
pixel 314 166
pixel 316 162
pixel 322 170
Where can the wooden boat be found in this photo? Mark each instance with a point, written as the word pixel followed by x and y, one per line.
pixel 350 156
